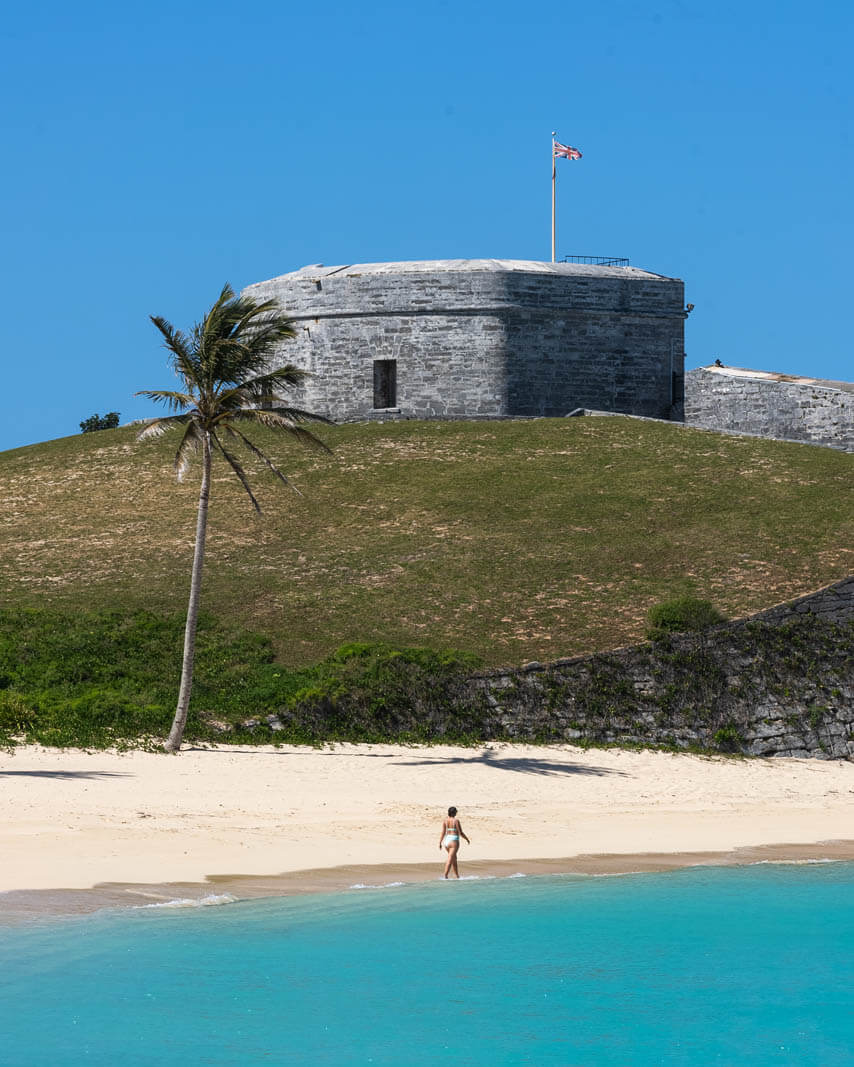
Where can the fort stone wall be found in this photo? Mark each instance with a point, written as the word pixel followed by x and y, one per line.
pixel 780 683
pixel 771 405
pixel 483 338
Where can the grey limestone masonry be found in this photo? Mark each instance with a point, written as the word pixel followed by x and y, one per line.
pixel 483 338
pixel 834 603
pixel 771 405
pixel 780 683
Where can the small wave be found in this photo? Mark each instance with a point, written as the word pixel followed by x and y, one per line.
pixel 790 863
pixel 212 900
pixel 518 874
pixel 384 885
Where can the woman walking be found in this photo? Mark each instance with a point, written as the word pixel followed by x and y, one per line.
pixel 449 839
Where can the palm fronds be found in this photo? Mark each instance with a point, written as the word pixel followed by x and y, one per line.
pixel 234 463
pixel 159 426
pixel 222 364
pixel 263 388
pixel 287 420
pixel 174 400
pixel 265 459
pixel 191 441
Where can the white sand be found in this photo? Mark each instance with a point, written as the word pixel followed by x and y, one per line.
pixel 74 819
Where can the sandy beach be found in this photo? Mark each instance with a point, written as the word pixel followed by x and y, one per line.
pixel 258 821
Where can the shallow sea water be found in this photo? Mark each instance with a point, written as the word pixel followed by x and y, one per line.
pixel 745 965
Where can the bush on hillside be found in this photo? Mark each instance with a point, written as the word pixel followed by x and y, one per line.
pixel 682 614
pixel 374 692
pixel 100 422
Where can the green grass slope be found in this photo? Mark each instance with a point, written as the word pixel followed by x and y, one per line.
pixel 511 540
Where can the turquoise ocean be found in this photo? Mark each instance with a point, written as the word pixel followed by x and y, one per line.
pixel 739 965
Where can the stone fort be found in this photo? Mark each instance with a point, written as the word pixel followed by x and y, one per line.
pixel 468 338
pixel 499 338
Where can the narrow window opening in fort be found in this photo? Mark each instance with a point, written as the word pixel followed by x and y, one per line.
pixel 385 383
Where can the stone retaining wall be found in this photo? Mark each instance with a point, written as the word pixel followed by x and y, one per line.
pixel 778 684
pixel 834 603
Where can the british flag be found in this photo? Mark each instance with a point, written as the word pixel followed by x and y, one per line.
pixel 565 152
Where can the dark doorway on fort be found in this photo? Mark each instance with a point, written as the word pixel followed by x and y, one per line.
pixel 385 383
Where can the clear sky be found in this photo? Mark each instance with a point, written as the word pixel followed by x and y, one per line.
pixel 154 151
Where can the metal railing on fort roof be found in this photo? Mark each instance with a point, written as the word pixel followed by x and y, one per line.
pixel 598 261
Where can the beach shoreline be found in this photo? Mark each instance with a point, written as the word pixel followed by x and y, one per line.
pixel 86 830
pixel 21 906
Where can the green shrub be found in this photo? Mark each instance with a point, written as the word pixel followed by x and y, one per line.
pixel 683 614
pixel 17 716
pixel 374 692
pixel 100 422
pixel 728 739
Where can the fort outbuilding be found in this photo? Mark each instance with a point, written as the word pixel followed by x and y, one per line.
pixel 467 338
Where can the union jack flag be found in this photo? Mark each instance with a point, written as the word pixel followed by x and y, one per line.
pixel 565 152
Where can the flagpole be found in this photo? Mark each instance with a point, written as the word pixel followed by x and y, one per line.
pixel 553 195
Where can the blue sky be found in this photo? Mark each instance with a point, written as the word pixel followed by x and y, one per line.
pixel 153 152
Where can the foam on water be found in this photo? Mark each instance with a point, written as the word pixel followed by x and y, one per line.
pixel 702 965
pixel 212 900
pixel 791 863
pixel 381 885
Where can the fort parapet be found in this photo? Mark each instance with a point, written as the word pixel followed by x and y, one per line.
pixel 782 406
pixel 483 338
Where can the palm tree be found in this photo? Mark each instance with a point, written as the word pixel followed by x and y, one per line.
pixel 221 366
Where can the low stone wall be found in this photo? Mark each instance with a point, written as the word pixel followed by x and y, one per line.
pixel 833 603
pixel 778 684
pixel 819 414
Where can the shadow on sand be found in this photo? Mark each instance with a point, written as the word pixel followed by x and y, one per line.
pixel 64 774
pixel 517 764
pixel 486 757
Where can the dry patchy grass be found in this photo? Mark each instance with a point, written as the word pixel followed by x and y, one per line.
pixel 513 540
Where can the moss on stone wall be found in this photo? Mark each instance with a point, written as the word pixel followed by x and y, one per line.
pixel 763 688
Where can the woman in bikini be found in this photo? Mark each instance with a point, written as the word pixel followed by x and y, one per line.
pixel 449 839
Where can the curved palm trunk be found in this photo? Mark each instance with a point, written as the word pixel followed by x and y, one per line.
pixel 176 734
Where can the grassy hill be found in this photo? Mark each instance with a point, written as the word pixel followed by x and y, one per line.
pixel 512 540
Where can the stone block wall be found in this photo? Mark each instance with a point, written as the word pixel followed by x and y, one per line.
pixel 557 363
pixel 497 340
pixel 780 683
pixel 787 410
pixel 834 603
pixel 446 364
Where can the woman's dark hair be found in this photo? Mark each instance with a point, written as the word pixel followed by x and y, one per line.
pixel 452 812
